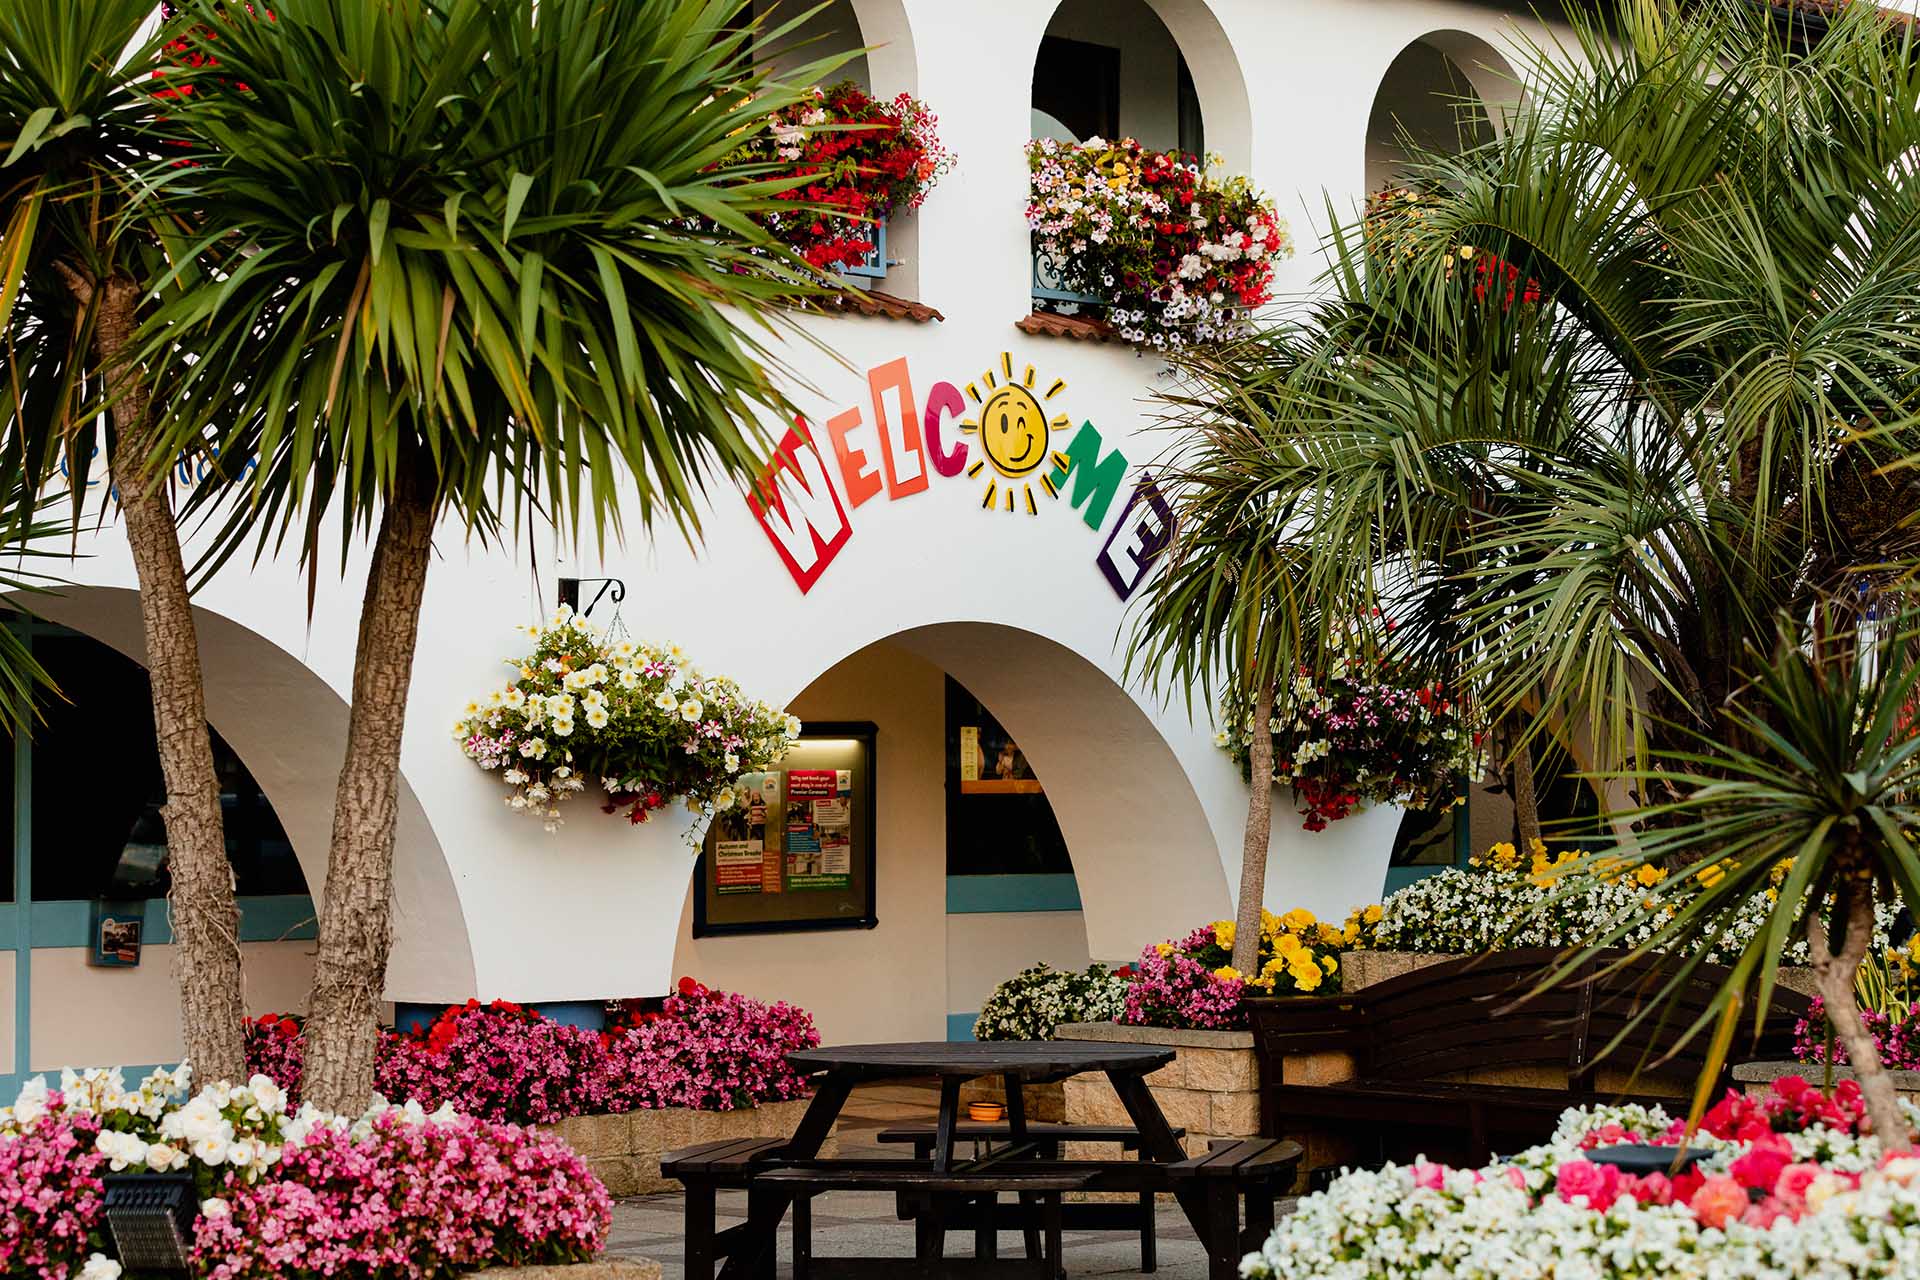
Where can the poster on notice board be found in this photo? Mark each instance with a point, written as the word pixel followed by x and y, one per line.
pixel 740 837
pixel 819 829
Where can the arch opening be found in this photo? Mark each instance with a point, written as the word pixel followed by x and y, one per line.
pixel 878 39
pixel 1145 863
pixel 1446 92
pixel 289 728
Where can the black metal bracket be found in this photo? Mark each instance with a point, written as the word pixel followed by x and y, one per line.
pixel 570 593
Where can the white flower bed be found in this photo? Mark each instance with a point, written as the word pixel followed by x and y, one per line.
pixel 1511 1222
pixel 1469 912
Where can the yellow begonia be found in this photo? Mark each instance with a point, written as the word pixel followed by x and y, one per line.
pixel 1299 918
pixel 1373 914
pixel 1648 875
pixel 1164 948
pixel 1305 976
pixel 1538 846
pixel 1329 933
pixel 1711 875
pixel 1331 964
pixel 1223 931
pixel 1226 973
pixel 1287 944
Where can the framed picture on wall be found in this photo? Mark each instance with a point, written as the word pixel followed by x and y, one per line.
pixel 796 850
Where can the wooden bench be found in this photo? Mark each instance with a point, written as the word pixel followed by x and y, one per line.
pixel 1418 1040
pixel 729 1164
pixel 1049 1138
pixel 982 1186
pixel 1253 1171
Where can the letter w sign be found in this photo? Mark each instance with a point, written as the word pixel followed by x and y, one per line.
pixel 798 507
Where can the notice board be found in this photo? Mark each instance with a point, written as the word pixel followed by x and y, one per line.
pixel 796 851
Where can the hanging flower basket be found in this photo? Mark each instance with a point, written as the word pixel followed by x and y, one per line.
pixel 641 721
pixel 1360 732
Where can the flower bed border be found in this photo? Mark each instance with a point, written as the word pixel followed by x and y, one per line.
pixel 624 1148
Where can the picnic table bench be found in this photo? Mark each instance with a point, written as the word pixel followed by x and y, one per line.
pixel 1413 1038
pixel 1048 1139
pixel 781 1175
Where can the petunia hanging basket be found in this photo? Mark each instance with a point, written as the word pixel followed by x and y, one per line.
pixel 641 721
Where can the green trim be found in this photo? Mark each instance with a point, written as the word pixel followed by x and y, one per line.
pixel 982 895
pixel 22 912
pixel 288 917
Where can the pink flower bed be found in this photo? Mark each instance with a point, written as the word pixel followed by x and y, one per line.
pixel 50 1195
pixel 406 1199
pixel 1897 1039
pixel 397 1193
pixel 1761 1184
pixel 1172 989
pixel 705 1049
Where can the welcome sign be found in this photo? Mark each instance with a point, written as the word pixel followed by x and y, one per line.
pixel 1005 432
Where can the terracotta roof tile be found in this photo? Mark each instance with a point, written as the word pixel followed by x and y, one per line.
pixel 1046 324
pixel 872 302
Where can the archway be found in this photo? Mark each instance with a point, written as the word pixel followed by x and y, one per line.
pixel 1145 861
pixel 289 727
pixel 876 36
pixel 1445 92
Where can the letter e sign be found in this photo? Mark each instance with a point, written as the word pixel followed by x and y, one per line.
pixel 799 509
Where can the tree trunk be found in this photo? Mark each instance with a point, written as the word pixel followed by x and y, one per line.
pixel 1253 853
pixel 1526 806
pixel 1834 974
pixel 201 905
pixel 355 920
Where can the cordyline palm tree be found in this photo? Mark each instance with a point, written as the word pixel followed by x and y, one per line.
pixel 1817 811
pixel 1590 406
pixel 76 134
pixel 460 259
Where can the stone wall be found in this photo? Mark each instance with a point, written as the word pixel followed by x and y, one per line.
pixel 1045 1103
pixel 1758 1077
pixel 1211 1088
pixel 624 1150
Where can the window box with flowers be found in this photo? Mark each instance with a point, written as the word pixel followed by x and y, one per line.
pixel 864 161
pixel 1173 254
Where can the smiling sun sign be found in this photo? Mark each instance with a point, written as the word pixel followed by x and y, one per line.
pixel 1015 434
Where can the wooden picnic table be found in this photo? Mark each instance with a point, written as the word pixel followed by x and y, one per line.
pixel 777 1175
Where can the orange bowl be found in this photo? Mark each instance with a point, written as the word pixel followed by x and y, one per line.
pixel 986 1112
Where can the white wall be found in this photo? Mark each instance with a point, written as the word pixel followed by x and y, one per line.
pixel 84 1017
pixel 889 982
pixel 985 949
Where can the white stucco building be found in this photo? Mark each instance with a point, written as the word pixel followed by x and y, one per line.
pixel 922 613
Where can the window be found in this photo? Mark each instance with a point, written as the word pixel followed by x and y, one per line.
pixel 1076 85
pixel 998 818
pixel 97 789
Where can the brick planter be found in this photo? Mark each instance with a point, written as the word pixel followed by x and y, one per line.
pixel 624 1150
pixel 1758 1077
pixel 1211 1088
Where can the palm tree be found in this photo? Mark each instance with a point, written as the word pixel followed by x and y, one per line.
pixel 1223 617
pixel 75 266
pixel 460 259
pixel 1589 407
pixel 1817 815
